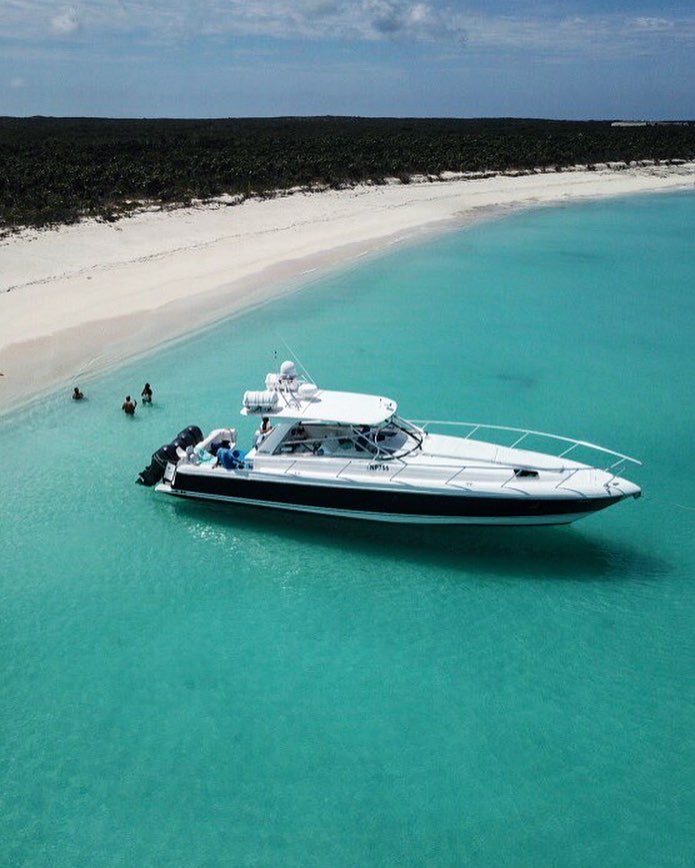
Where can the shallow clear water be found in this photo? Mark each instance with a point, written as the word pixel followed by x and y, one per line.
pixel 195 686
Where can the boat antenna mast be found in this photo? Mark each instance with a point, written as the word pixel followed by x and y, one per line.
pixel 297 360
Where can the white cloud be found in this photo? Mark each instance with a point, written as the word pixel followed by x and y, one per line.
pixel 328 19
pixel 318 8
pixel 443 22
pixel 309 19
pixel 65 21
pixel 587 36
pixel 653 24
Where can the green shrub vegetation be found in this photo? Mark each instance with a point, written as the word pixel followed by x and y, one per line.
pixel 56 170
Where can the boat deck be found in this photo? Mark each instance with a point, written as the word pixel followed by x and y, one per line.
pixel 443 465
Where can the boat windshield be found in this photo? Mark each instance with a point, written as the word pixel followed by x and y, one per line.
pixel 390 440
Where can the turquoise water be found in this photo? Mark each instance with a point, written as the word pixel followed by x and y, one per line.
pixel 184 685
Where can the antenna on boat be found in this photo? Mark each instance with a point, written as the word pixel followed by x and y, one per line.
pixel 297 359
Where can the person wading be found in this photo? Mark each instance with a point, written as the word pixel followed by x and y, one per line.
pixel 129 406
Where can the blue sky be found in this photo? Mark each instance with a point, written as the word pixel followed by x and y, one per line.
pixel 222 58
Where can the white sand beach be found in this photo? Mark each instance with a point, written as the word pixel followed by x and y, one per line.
pixel 78 299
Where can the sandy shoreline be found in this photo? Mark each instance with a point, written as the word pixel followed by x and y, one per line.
pixel 79 299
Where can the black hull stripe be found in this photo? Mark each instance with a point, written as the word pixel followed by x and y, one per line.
pixel 380 501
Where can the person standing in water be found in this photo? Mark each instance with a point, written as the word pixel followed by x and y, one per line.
pixel 77 395
pixel 146 394
pixel 129 406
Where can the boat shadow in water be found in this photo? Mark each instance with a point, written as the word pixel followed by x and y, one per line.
pixel 525 552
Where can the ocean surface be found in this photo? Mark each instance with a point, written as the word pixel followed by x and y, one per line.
pixel 186 685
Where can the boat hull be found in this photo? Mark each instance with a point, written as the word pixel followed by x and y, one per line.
pixel 378 504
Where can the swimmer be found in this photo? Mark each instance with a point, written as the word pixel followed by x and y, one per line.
pixel 129 406
pixel 146 394
pixel 77 395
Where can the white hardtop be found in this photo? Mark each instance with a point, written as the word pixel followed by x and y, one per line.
pixel 337 408
pixel 286 396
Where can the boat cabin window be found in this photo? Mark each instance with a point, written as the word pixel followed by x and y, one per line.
pixel 269 443
pixel 344 441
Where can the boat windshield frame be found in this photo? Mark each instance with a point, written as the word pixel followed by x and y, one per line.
pixel 368 442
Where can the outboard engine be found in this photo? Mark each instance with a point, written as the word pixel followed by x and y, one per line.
pixel 189 436
pixel 154 472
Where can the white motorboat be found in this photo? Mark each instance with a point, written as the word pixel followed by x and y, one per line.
pixel 347 454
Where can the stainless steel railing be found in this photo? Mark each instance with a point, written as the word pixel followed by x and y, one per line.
pixel 524 433
pixel 456 465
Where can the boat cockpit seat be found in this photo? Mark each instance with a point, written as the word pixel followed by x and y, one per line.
pixel 216 439
pixel 329 446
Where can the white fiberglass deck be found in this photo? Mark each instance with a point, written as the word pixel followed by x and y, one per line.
pixel 442 464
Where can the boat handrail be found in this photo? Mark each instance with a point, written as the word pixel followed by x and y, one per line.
pixel 490 465
pixel 528 432
pixel 457 470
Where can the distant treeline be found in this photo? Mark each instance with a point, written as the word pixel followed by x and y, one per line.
pixel 56 170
